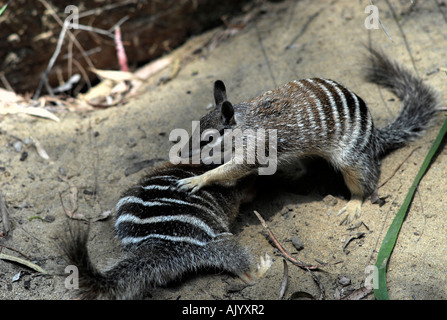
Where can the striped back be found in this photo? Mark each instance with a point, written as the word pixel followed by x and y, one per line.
pixel 313 115
pixel 156 211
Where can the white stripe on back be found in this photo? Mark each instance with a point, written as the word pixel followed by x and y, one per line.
pixel 319 107
pixel 135 240
pixel 182 218
pixel 334 105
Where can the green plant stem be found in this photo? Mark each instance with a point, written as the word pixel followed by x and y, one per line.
pixel 383 257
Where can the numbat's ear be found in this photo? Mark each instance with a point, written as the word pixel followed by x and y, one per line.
pixel 227 112
pixel 220 93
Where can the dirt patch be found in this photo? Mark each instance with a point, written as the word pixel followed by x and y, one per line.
pixel 289 40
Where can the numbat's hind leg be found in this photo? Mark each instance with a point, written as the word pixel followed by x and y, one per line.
pixel 353 208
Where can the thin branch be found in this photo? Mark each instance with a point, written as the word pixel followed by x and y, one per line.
pixel 108 7
pixel 404 37
pixel 15 250
pixel 293 260
pixel 381 24
pixel 281 248
pixel 119 23
pixel 70 34
pixel 264 53
pixel 397 168
pixel 65 25
pixel 72 37
pixel 5 82
pixel 303 30
pixel 44 77
pixel 83 72
pixel 95 30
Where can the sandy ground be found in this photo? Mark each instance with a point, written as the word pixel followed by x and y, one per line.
pixel 287 40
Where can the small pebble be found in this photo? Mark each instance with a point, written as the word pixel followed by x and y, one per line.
pixel 330 200
pixel 17 146
pixel 344 281
pixel 62 171
pixel 297 243
pixel 49 218
pixel 23 156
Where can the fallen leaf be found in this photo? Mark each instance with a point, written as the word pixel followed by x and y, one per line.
pixel 73 199
pixel 100 90
pixel 7 97
pixel 115 75
pixel 40 150
pixel 32 111
pixel 285 279
pixel 152 68
pixel 301 295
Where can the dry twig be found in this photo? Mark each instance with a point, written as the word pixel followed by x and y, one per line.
pixel 74 201
pixel 283 251
pixel 65 30
pixel 397 168
pixel 293 260
pixel 15 250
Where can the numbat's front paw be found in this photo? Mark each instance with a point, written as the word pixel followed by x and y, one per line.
pixel 353 210
pixel 266 263
pixel 194 184
pixel 262 267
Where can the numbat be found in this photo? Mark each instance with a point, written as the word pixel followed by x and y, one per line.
pixel 320 117
pixel 166 233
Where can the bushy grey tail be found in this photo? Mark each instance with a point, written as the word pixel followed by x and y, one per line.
pixel 146 266
pixel 129 278
pixel 418 108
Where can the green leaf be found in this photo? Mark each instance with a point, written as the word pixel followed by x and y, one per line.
pixel 4 7
pixel 381 293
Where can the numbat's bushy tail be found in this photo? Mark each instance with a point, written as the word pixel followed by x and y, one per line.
pixel 165 233
pixel 419 102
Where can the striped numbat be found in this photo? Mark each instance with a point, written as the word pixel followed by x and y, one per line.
pixel 166 233
pixel 320 117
